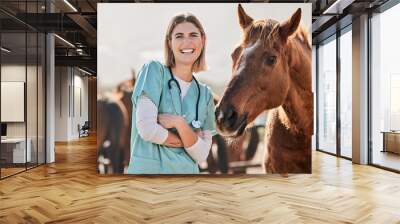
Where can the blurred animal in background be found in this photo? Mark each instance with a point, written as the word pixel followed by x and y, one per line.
pixel 111 134
pixel 125 90
pixel 114 128
pixel 272 71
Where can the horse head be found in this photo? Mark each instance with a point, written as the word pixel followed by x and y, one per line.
pixel 260 72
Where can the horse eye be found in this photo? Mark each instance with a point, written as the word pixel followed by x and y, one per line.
pixel 271 60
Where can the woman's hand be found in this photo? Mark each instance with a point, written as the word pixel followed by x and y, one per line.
pixel 173 141
pixel 185 132
pixel 169 120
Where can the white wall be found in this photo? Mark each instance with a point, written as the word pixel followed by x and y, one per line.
pixel 12 73
pixel 71 94
pixel 16 73
pixel 61 103
pixel 33 126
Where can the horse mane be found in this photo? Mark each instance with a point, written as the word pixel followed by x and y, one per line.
pixel 299 49
pixel 301 35
pixel 300 58
pixel 262 29
pixel 258 29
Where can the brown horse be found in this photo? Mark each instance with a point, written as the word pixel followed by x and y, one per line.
pixel 272 71
pixel 112 135
pixel 114 128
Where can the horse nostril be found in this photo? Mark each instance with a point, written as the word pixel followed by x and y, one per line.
pixel 231 113
pixel 226 115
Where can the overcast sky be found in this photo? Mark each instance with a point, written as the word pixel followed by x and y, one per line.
pixel 130 34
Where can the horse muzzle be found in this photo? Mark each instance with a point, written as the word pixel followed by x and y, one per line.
pixel 229 122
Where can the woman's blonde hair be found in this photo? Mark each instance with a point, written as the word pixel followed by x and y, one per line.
pixel 200 64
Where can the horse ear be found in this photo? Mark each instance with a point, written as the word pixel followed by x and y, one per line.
pixel 288 27
pixel 244 19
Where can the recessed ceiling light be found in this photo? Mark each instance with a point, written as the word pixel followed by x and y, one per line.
pixel 64 40
pixel 84 71
pixel 70 5
pixel 5 50
pixel 338 6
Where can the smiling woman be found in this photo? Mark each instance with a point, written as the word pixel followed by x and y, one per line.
pixel 173 114
pixel 185 42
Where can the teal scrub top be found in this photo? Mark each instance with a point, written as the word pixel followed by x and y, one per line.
pixel 151 158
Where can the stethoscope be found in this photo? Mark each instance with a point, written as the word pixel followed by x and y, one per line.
pixel 195 123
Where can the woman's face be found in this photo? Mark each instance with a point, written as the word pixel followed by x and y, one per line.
pixel 186 43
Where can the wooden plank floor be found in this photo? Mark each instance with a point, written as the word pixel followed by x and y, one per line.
pixel 70 191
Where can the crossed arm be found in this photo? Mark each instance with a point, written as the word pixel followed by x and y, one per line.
pixel 153 127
